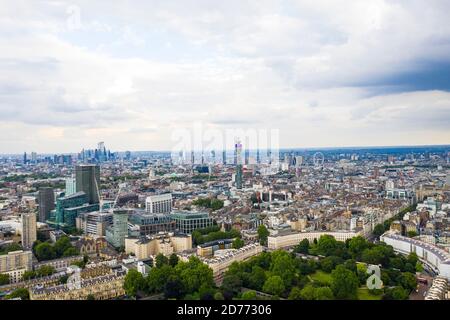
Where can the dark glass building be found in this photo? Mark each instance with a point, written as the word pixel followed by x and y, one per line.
pixel 87 179
pixel 46 199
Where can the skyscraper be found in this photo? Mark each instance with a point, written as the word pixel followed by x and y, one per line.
pixel 46 199
pixel 28 230
pixel 238 160
pixel 87 179
pixel 71 186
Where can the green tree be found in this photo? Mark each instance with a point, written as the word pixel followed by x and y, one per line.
pixel 295 294
pixel 161 260
pixel 378 230
pixel 27 275
pixel 284 266
pixel 231 284
pixel 194 274
pixel 21 293
pixel 249 295
pixel 158 277
pixel 238 243
pixel 408 281
pixel 356 246
pixel 257 278
pixel 302 247
pixel 326 245
pixel 412 234
pixel 45 251
pixel 71 251
pixel 61 245
pixel 45 271
pixel 274 285
pixel 419 267
pixel 218 296
pixel 345 283
pixel 324 293
pixel 133 282
pixel 4 279
pixel 173 289
pixel 173 260
pixel 90 297
pixel 263 233
pixel 308 293
pixel 396 293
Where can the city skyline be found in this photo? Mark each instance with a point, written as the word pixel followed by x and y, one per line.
pixel 339 74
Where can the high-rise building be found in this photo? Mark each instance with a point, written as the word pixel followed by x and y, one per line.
pixel 46 199
pixel 71 186
pixel 159 203
pixel 24 158
pixel 28 230
pixel 87 178
pixel 117 233
pixel 238 160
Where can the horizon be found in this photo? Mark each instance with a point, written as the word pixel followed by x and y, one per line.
pixel 280 149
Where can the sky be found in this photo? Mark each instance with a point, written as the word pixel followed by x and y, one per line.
pixel 133 73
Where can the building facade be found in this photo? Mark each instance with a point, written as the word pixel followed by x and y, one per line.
pixel 87 179
pixel 187 222
pixel 29 230
pixel 15 263
pixel 46 199
pixel 160 203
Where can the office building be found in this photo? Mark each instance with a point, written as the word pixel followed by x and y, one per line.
pixel 46 199
pixel 87 177
pixel 68 208
pixel 159 203
pixel 187 222
pixel 148 224
pixel 28 230
pixel 238 161
pixel 94 223
pixel 71 186
pixel 118 231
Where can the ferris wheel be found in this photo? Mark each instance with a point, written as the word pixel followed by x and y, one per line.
pixel 318 159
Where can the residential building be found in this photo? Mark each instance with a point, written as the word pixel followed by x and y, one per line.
pixel 29 231
pixel 159 203
pixel 15 263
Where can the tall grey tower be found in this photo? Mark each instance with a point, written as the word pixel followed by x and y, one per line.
pixel 46 199
pixel 87 179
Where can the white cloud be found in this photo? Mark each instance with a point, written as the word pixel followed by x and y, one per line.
pixel 132 73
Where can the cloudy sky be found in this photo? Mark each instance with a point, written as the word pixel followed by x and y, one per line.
pixel 130 73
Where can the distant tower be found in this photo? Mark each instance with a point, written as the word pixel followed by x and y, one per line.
pixel 24 158
pixel 46 199
pixel 28 230
pixel 224 156
pixel 238 159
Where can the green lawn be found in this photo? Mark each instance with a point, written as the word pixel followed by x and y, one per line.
pixel 321 277
pixel 364 294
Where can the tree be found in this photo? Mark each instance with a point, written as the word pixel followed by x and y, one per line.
pixel 218 296
pixel 419 267
pixel 61 245
pixel 161 260
pixel 69 252
pixel 4 279
pixel 27 275
pixel 308 293
pixel 173 288
pixel 238 243
pixel 45 271
pixel 173 260
pixel 90 297
pixel 324 293
pixel 302 247
pixel 350 264
pixel 21 293
pixel 295 294
pixel 232 284
pixel 284 266
pixel 206 292
pixel 412 234
pixel 257 278
pixel 378 230
pixel 326 245
pixel 194 274
pixel 45 251
pixel 356 246
pixel 133 282
pixel 327 264
pixel 396 293
pixel 158 277
pixel 345 283
pixel 408 281
pixel 274 285
pixel 249 295
pixel 263 233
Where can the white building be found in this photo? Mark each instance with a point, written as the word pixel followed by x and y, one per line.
pixel 433 257
pixel 283 240
pixel 159 203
